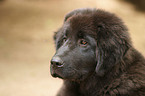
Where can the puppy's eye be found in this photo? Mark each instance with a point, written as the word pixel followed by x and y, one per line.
pixel 83 42
pixel 64 39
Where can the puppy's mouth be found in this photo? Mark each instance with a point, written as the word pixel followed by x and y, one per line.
pixel 55 75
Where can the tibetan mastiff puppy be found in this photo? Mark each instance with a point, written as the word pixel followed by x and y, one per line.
pixel 95 57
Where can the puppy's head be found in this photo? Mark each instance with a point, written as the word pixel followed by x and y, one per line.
pixel 89 41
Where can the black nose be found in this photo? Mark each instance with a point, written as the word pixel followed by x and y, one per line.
pixel 57 62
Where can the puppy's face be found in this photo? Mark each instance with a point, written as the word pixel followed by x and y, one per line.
pixel 75 57
pixel 89 40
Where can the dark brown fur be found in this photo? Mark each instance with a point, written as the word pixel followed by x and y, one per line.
pixel 115 69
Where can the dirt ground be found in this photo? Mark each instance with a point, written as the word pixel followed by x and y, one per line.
pixel 26 43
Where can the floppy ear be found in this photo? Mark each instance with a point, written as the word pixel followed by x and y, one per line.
pixel 112 44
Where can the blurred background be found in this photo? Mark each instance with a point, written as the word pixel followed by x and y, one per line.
pixel 26 43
